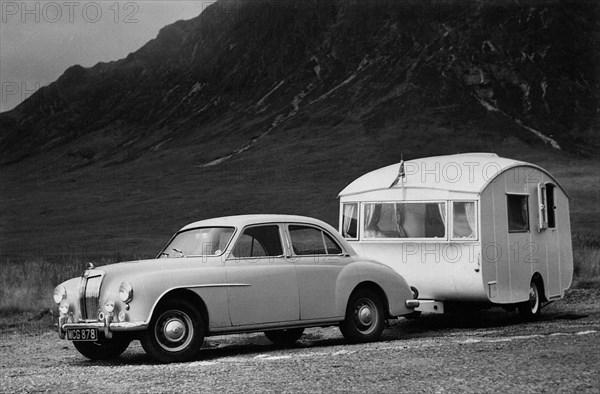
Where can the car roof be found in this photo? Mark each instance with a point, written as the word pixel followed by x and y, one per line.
pixel 244 220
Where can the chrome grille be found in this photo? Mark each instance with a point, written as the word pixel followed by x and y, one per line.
pixel 90 303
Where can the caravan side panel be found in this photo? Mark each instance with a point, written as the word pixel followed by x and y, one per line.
pixel 440 268
pixel 495 244
pixel 512 258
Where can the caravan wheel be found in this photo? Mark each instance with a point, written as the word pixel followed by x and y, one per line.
pixel 531 308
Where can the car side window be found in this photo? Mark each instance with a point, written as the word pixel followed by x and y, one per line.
pixel 310 241
pixel 332 246
pixel 259 241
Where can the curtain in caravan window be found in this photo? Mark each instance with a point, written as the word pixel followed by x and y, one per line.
pixel 399 212
pixel 350 216
pixel 464 224
pixel 442 208
pixel 372 216
pixel 404 220
pixel 471 217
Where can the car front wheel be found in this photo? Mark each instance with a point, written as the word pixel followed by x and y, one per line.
pixel 284 337
pixel 364 317
pixel 102 350
pixel 176 332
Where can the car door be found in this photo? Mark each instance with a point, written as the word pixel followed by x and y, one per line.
pixel 263 286
pixel 319 260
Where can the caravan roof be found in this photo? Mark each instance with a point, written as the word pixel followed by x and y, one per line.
pixel 467 172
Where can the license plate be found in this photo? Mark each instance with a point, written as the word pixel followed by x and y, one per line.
pixel 82 334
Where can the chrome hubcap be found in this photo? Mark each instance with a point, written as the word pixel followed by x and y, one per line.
pixel 174 330
pixel 365 316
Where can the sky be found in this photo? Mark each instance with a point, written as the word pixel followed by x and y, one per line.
pixel 40 39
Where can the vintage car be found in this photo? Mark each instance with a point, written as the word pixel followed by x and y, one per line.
pixel 273 273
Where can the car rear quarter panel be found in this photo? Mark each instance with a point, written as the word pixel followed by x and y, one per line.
pixel 394 287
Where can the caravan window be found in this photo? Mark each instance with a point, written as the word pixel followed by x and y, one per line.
pixel 404 220
pixel 349 221
pixel 546 207
pixel 551 208
pixel 464 220
pixel 518 213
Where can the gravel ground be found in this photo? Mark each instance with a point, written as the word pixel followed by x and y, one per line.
pixel 488 351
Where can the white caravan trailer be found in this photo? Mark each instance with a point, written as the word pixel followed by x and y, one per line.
pixel 465 228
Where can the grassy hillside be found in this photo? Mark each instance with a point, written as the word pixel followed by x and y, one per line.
pixel 274 107
pixel 55 220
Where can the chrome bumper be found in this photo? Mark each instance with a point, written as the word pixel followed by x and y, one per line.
pixel 107 326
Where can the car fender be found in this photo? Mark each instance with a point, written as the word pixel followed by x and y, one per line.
pixel 392 284
pixel 72 288
pixel 208 283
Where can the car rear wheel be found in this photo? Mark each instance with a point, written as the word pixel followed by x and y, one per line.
pixel 284 337
pixel 104 349
pixel 364 317
pixel 531 308
pixel 176 332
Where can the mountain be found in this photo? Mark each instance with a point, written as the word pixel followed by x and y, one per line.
pixel 274 106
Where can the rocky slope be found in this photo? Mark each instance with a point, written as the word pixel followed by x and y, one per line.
pixel 263 62
pixel 274 106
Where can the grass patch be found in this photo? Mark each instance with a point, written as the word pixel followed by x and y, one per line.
pixel 586 260
pixel 26 288
pixel 27 323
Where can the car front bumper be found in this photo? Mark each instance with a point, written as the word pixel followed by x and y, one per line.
pixel 108 326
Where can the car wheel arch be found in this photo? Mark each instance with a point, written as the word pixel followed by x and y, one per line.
pixel 368 285
pixel 187 294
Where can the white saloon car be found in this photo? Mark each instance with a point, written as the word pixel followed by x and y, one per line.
pixel 273 273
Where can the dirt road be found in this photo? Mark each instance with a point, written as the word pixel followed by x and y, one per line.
pixel 490 351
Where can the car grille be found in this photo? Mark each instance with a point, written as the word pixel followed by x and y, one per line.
pixel 90 297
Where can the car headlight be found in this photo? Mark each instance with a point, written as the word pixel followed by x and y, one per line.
pixel 125 292
pixel 60 293
pixel 109 306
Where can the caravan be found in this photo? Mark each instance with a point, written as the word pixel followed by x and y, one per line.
pixel 473 227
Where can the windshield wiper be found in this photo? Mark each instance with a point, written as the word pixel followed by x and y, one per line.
pixel 163 254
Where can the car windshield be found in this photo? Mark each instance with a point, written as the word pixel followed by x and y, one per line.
pixel 204 241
